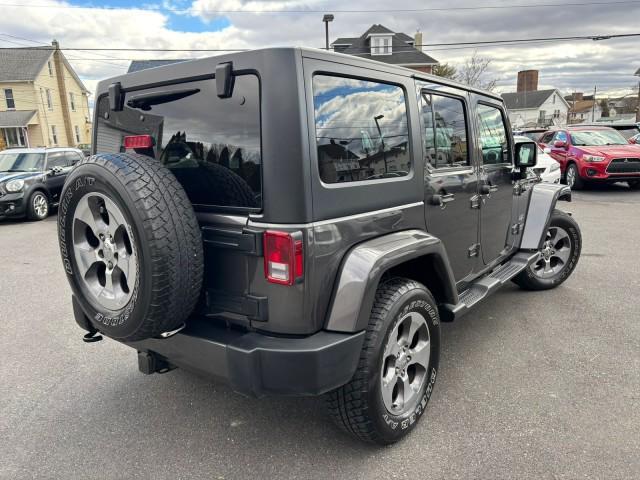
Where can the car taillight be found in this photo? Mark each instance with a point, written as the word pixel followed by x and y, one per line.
pixel 138 141
pixel 283 257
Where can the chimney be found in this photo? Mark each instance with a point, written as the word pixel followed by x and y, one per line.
pixel 417 40
pixel 527 81
pixel 578 96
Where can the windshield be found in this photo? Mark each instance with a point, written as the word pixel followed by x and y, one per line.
pixel 21 162
pixel 597 138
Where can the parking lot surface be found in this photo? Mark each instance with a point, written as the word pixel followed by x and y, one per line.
pixel 531 385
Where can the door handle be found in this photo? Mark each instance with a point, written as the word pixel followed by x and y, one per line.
pixel 441 200
pixel 487 189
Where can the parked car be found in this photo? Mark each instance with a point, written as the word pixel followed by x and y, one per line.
pixel 547 169
pixel 31 179
pixel 86 148
pixel 635 139
pixel 593 154
pixel 626 129
pixel 329 270
pixel 531 133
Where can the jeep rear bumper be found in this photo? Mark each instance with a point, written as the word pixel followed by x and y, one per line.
pixel 252 363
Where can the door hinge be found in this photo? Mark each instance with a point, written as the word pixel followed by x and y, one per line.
pixel 474 250
pixel 475 201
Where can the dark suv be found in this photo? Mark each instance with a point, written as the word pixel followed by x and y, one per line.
pixel 300 222
pixel 31 179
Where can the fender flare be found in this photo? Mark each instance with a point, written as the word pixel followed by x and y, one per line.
pixel 37 186
pixel 542 202
pixel 364 265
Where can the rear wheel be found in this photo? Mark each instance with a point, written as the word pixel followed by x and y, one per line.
pixel 397 369
pixel 38 207
pixel 558 257
pixel 572 177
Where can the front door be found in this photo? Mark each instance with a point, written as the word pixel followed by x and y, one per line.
pixel 451 179
pixel 496 180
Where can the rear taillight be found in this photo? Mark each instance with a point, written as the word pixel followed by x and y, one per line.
pixel 283 257
pixel 138 141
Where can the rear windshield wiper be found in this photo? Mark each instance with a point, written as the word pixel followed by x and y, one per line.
pixel 146 100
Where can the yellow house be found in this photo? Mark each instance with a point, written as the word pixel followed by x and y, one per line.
pixel 43 103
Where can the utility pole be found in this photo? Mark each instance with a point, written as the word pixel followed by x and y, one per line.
pixel 326 19
pixel 593 107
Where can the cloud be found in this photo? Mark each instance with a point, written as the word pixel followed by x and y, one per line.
pixel 569 66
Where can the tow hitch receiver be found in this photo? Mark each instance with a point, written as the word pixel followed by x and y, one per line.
pixel 149 362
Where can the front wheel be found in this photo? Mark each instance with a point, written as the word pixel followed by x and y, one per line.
pixel 559 255
pixel 397 370
pixel 572 177
pixel 38 206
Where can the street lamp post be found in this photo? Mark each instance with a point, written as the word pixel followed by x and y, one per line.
pixel 326 19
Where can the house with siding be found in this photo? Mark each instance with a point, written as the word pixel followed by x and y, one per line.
pixel 43 103
pixel 530 107
pixel 384 45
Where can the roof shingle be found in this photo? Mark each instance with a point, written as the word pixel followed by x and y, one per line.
pixel 22 64
pixel 16 118
pixel 522 100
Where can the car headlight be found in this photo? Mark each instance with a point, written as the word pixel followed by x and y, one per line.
pixel 14 185
pixel 593 158
pixel 554 166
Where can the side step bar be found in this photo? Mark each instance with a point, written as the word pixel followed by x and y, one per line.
pixel 487 285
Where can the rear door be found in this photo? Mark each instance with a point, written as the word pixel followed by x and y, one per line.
pixel 496 178
pixel 58 166
pixel 450 178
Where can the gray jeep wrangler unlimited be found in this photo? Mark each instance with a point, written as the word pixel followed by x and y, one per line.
pixel 300 222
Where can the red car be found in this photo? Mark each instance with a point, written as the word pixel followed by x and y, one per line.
pixel 593 154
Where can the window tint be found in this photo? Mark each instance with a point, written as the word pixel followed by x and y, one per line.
pixel 58 159
pixel 445 131
pixel 361 129
pixel 493 135
pixel 211 145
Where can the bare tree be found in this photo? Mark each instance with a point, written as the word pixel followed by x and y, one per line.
pixel 474 71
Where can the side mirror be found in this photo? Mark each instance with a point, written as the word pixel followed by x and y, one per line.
pixel 560 144
pixel 526 155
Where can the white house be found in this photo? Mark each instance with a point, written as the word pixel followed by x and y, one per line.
pixel 537 108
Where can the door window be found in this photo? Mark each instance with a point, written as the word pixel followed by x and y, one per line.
pixel 58 159
pixel 493 136
pixel 362 130
pixel 561 136
pixel 445 131
pixel 546 138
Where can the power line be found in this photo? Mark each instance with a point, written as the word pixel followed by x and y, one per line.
pixel 347 11
pixel 598 37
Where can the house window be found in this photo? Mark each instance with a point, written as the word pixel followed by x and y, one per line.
pixel 542 114
pixel 553 99
pixel 77 131
pixel 49 103
pixel 14 137
pixel 8 95
pixel 54 135
pixel 380 45
pixel 556 113
pixel 50 68
pixel 72 101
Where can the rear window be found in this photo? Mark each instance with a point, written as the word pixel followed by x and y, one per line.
pixel 211 145
pixel 361 129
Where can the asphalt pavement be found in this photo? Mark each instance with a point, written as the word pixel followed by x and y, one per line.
pixel 541 385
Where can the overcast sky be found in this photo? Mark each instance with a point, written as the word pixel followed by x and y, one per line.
pixel 568 66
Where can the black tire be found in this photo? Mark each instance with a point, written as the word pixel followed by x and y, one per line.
pixel 528 280
pixel 578 183
pixel 358 407
pixel 634 184
pixel 165 235
pixel 32 211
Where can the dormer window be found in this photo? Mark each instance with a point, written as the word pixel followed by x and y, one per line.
pixel 381 45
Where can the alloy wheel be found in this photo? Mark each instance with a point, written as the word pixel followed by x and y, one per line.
pixel 405 363
pixel 40 205
pixel 555 253
pixel 571 176
pixel 104 251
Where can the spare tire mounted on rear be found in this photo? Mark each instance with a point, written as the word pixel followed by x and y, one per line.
pixel 131 245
